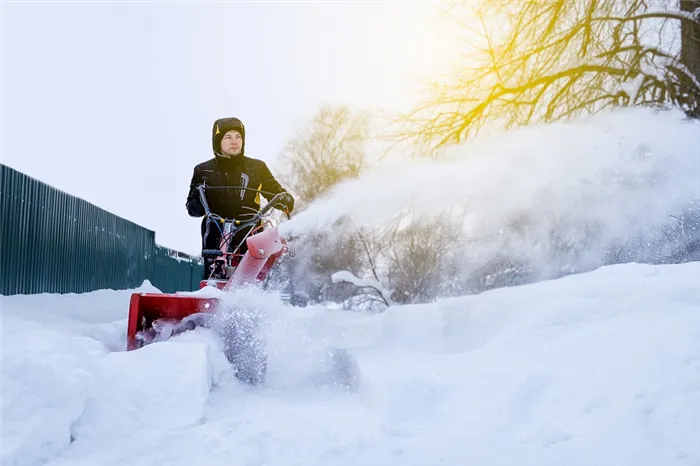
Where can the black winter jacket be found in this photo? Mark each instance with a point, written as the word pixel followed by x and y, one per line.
pixel 239 171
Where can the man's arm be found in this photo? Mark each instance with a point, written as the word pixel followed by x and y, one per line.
pixel 271 185
pixel 194 204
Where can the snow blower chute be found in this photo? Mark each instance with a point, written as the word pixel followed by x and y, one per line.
pixel 157 316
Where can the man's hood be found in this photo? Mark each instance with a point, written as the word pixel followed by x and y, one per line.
pixel 223 125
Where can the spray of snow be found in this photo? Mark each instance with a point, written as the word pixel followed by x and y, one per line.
pixel 559 197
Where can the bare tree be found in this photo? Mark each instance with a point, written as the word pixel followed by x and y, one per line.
pixel 370 246
pixel 331 149
pixel 405 260
pixel 317 256
pixel 690 40
pixel 545 60
pixel 422 259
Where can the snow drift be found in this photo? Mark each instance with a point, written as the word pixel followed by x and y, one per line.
pixel 597 368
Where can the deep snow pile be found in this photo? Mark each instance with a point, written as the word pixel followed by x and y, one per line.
pixel 599 368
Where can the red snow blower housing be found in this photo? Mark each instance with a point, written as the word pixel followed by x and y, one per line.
pixel 158 316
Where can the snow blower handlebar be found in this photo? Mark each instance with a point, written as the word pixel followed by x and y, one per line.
pixel 256 217
pixel 235 225
pixel 203 199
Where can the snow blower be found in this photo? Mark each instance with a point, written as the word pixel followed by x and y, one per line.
pixel 158 316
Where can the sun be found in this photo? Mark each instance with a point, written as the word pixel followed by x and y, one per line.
pixel 412 46
pixel 377 55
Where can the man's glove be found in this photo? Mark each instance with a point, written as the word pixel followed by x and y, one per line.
pixel 285 202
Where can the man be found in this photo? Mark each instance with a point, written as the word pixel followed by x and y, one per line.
pixel 231 167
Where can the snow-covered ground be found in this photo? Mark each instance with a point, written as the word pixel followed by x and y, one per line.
pixel 601 368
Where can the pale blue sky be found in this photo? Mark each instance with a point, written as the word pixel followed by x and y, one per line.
pixel 114 102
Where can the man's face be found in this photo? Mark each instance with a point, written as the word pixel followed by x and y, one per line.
pixel 231 143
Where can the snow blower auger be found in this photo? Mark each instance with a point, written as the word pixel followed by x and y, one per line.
pixel 158 316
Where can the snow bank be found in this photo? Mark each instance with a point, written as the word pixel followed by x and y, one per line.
pixel 165 386
pixel 45 380
pixel 594 368
pixel 65 372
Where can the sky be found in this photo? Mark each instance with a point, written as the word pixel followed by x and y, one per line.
pixel 114 102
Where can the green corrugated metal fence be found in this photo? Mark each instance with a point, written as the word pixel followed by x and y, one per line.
pixel 53 242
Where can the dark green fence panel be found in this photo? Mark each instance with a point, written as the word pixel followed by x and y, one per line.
pixel 168 266
pixel 53 242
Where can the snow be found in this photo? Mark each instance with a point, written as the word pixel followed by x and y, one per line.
pixel 348 277
pixel 595 368
pixel 557 197
pixel 631 87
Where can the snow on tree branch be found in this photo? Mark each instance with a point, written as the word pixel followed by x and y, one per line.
pixel 559 59
pixel 345 276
